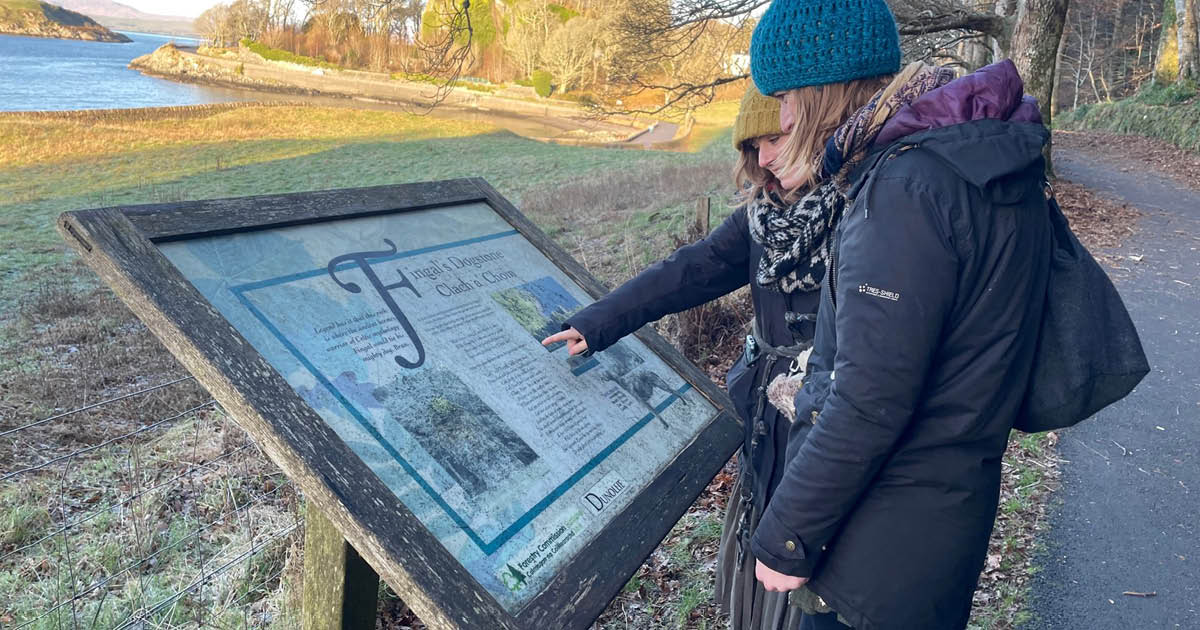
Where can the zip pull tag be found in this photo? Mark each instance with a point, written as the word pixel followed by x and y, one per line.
pixel 795 367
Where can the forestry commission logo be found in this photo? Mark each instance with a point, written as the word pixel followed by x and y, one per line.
pixel 867 289
pixel 541 553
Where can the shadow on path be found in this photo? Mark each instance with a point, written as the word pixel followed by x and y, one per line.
pixel 1127 517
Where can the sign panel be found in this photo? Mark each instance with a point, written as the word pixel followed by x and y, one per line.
pixel 383 345
pixel 416 337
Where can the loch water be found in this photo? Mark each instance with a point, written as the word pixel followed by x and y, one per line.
pixel 54 74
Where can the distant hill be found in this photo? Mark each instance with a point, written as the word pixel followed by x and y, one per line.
pixel 39 19
pixel 108 8
pixel 122 17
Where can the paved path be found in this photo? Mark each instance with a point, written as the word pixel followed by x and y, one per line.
pixel 1128 515
pixel 658 132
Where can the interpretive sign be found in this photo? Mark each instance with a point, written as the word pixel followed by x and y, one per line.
pixel 383 346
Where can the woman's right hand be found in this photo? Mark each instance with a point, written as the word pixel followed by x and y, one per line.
pixel 576 344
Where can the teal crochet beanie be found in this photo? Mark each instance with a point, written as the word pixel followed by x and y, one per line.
pixel 814 42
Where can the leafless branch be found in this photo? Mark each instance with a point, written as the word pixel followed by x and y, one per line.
pixel 680 92
pixel 448 53
pixel 701 11
pixel 926 17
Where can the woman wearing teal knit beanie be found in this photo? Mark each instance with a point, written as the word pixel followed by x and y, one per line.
pixel 932 188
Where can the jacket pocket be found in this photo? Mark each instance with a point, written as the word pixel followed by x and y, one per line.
pixel 810 400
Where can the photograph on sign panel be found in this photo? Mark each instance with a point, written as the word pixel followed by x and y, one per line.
pixel 456 428
pixel 417 337
pixel 540 307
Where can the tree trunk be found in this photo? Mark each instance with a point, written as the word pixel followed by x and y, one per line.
pixel 1166 62
pixel 1035 40
pixel 1189 56
pixel 1055 104
pixel 1006 8
pixel 977 53
pixel 1178 20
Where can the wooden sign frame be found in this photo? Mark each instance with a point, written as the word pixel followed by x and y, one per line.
pixel 120 245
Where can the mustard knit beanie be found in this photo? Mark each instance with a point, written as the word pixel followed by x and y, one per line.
pixel 758 116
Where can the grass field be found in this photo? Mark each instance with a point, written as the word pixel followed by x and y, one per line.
pixel 52 166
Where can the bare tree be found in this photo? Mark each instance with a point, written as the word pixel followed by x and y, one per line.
pixel 213 25
pixel 655 39
pixel 934 25
pixel 568 52
pixel 247 19
pixel 278 12
pixel 528 31
pixel 1166 59
pixel 1106 51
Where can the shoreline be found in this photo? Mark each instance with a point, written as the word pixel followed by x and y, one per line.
pixel 234 85
pixel 143 113
pixel 124 39
pixel 244 70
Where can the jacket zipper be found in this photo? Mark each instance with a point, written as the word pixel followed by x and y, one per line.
pixel 833 270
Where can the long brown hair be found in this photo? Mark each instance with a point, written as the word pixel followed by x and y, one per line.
pixel 750 179
pixel 820 110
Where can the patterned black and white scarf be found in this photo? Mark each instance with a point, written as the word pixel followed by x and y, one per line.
pixel 795 237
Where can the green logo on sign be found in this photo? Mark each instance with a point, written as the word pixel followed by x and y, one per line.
pixel 513 579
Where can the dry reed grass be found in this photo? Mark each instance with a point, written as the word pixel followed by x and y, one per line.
pixel 36 140
pixel 80 345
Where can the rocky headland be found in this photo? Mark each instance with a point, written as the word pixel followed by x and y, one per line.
pixel 170 62
pixel 33 18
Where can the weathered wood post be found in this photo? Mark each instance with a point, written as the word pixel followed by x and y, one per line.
pixel 703 217
pixel 340 589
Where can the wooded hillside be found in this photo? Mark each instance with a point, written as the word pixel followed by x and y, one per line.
pixel 645 55
pixel 39 19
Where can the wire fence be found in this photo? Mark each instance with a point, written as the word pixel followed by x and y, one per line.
pixel 111 517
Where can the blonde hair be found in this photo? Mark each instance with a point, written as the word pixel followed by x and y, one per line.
pixel 820 110
pixel 750 179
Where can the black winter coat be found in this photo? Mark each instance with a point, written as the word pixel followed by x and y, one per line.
pixel 925 339
pixel 720 263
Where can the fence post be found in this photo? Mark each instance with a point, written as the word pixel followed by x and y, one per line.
pixel 340 589
pixel 703 217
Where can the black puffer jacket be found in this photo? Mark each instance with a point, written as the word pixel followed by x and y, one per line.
pixel 722 262
pixel 923 350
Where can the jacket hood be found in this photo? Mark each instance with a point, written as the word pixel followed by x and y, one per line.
pixel 982 125
pixel 994 92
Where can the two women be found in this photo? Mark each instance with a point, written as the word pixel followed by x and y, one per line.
pixel 922 195
pixel 775 243
pixel 928 321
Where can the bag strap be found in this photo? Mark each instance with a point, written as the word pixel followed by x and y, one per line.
pixel 788 352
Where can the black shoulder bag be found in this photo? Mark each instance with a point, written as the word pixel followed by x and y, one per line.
pixel 1088 353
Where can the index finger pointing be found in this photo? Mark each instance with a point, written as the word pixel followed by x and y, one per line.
pixel 557 337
